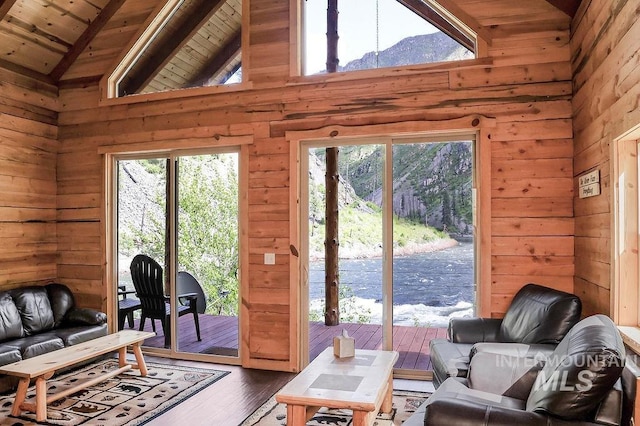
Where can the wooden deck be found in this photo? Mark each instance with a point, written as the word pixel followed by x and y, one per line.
pixel 220 337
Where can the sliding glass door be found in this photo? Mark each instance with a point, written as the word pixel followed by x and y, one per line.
pixel 406 245
pixel 177 215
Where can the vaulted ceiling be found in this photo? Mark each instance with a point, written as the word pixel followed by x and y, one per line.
pixel 57 41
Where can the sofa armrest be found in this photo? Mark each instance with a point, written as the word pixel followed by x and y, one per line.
pixel 84 316
pixel 472 330
pixel 470 413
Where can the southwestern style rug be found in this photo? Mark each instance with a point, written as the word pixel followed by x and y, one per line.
pixel 127 399
pixel 405 403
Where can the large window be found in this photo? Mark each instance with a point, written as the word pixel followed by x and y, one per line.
pixel 383 33
pixel 191 44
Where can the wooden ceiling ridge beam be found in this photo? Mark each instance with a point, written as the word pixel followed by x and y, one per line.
pixel 5 6
pixel 87 36
pixel 199 16
pixel 219 61
pixel 425 11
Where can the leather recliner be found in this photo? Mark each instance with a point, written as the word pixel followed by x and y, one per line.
pixel 535 322
pixel 577 384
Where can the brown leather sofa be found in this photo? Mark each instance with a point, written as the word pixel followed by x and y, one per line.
pixel 579 383
pixel 39 319
pixel 535 322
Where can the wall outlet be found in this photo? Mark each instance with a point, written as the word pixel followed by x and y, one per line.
pixel 269 258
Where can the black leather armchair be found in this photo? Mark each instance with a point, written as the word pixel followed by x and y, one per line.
pixel 577 384
pixel 536 321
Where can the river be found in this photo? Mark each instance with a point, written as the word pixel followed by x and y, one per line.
pixel 429 288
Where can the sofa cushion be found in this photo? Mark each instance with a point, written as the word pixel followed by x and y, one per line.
pixel 10 321
pixel 61 300
pixel 502 374
pixel 9 354
pixel 74 335
pixel 581 371
pixel 539 314
pixel 35 309
pixel 458 389
pixel 37 344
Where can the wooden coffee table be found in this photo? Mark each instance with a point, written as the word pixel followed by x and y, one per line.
pixel 363 384
pixel 42 368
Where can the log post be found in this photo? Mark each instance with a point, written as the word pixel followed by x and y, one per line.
pixel 332 177
pixel 331 243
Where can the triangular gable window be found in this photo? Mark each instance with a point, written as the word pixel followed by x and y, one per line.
pixel 384 33
pixel 190 44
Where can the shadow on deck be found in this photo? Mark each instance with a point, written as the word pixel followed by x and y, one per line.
pixel 220 337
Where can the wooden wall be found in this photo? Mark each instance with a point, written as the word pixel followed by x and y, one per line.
pixel 605 47
pixel 28 147
pixel 523 89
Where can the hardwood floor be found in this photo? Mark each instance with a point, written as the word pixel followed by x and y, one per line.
pixel 232 399
pixel 228 401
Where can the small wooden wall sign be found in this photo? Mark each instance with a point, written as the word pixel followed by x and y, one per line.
pixel 589 184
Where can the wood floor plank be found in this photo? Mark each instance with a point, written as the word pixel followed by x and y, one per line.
pixel 227 402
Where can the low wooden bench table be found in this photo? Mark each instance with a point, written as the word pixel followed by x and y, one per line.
pixel 363 384
pixel 42 368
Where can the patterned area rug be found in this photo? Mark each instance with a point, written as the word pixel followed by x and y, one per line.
pixel 127 399
pixel 404 404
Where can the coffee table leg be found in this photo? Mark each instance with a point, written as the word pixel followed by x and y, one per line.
pixel 21 395
pixel 296 415
pixel 122 357
pixel 387 402
pixel 41 399
pixel 361 418
pixel 142 366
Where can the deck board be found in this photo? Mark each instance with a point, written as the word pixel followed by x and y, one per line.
pixel 220 336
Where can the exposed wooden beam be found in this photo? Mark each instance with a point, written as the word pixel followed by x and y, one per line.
pixel 426 12
pixel 219 61
pixel 471 22
pixel 201 13
pixel 81 82
pixel 83 41
pixel 19 69
pixel 5 6
pixel 569 7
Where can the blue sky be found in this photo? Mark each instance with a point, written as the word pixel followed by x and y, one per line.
pixel 357 29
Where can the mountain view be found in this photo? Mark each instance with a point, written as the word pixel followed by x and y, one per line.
pixel 432 182
pixel 420 49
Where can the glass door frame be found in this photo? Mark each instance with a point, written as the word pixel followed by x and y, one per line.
pixel 111 242
pixel 387 221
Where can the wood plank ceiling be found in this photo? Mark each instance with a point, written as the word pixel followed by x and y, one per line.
pixel 199 46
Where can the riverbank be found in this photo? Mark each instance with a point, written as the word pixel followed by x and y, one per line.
pixel 362 251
